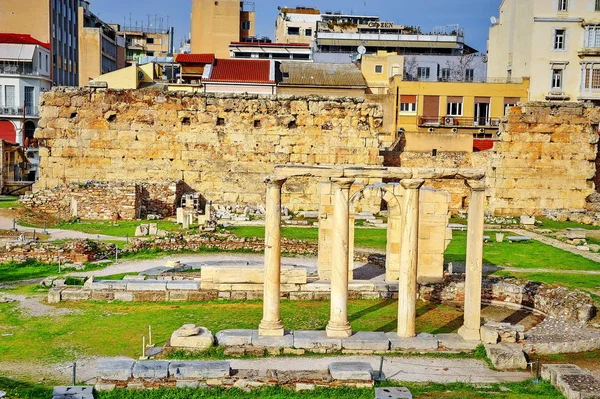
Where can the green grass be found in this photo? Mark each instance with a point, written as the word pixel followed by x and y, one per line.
pixel 118 229
pixel 555 225
pixel 24 390
pixel 116 276
pixel 364 238
pixel 15 271
pixel 518 390
pixel 527 255
pixel 118 327
pixel 573 281
pixel 9 201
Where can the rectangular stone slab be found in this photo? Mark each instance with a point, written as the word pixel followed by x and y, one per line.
pixel 344 371
pixel 115 369
pixel 198 369
pixel 183 285
pixel 235 337
pixel 251 275
pixel 73 392
pixel 151 370
pixel 364 340
pixel 147 285
pixel 456 342
pixel 316 340
pixel 419 343
pixel 393 393
pixel 287 341
pixel 118 285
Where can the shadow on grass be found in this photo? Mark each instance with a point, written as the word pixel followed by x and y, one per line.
pixel 370 309
pixel 23 390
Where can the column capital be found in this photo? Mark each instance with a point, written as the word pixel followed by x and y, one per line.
pixel 274 181
pixel 476 185
pixel 342 182
pixel 412 184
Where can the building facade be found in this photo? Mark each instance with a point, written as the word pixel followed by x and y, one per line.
pixel 25 72
pixel 271 51
pixel 297 25
pixel 216 24
pixel 145 41
pixel 49 21
pixel 101 49
pixel 555 43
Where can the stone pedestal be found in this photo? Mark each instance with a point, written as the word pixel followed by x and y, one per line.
pixel 190 336
pixel 474 266
pixel 271 324
pixel 409 255
pixel 338 325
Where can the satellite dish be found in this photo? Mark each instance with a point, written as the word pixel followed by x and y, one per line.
pixel 361 50
pixel 484 59
pixel 494 20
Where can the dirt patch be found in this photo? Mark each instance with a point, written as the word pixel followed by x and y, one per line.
pixel 34 306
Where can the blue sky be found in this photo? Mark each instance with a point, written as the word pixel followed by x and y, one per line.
pixel 472 15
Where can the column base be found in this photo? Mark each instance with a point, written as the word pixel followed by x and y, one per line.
pixel 338 331
pixel 405 333
pixel 469 334
pixel 271 328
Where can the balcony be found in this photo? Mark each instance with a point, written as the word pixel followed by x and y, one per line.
pixel 457 121
pixel 21 69
pixel 32 112
pixel 588 52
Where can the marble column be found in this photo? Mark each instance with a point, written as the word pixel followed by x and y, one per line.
pixel 409 256
pixel 474 267
pixel 271 324
pixel 338 325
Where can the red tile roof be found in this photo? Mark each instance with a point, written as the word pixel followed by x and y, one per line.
pixel 483 144
pixel 16 38
pixel 240 71
pixel 195 58
pixel 265 44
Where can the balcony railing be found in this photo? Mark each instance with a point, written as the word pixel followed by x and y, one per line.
pixel 409 78
pixel 19 111
pixel 457 121
pixel 28 70
pixel 588 51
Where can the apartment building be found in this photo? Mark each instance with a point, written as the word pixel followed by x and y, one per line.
pixel 101 49
pixel 555 43
pixel 145 41
pixel 25 72
pixel 49 21
pixel 272 51
pixel 296 25
pixel 216 24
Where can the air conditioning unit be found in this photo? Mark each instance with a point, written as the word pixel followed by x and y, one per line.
pixel 448 121
pixel 431 130
pixel 481 130
pixel 454 130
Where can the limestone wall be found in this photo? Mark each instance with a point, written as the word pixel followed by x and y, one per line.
pixel 220 145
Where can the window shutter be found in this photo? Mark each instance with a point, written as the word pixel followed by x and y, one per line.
pixel 408 99
pixel 454 99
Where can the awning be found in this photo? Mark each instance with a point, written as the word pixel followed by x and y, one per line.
pixel 7 131
pixel 17 52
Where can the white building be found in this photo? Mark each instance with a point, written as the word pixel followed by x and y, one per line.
pixel 554 42
pixel 25 72
pixel 271 51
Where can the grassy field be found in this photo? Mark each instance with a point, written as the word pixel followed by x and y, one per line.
pixel 554 225
pixel 521 390
pixel 9 201
pixel 13 271
pixel 115 229
pixel 118 327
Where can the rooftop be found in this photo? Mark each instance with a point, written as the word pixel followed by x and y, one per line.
pixel 17 38
pixel 266 44
pixel 321 74
pixel 242 71
pixel 195 58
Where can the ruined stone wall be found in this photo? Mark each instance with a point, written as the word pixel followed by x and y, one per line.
pixel 221 145
pixel 100 200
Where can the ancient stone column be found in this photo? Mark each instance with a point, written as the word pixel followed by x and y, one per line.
pixel 271 324
pixel 338 325
pixel 409 255
pixel 474 267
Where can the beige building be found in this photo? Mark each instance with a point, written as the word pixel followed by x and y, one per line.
pixel 296 25
pixel 379 68
pixel 555 43
pixel 215 24
pixel 101 49
pixel 143 41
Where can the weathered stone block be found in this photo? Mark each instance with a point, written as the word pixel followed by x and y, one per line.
pixel 506 356
pixel 345 371
pixel 199 369
pixel 73 392
pixel 151 370
pixel 316 340
pixel 393 393
pixel 115 369
pixel 235 337
pixel 285 341
pixel 456 342
pixel 196 338
pixel 422 342
pixel 147 285
pixel 363 340
pixel 183 285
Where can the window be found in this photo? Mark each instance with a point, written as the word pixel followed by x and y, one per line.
pixel 445 74
pixel 408 104
pixel 150 40
pixel 559 39
pixel 29 99
pixel 455 106
pixel 308 31
pixel 597 7
pixel 469 75
pixel 378 68
pixel 557 79
pixel 563 5
pixel 245 25
pixel 150 53
pixel 423 73
pixel 592 35
pixel 592 79
pixel 9 96
pixel 293 31
pixel 0 96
